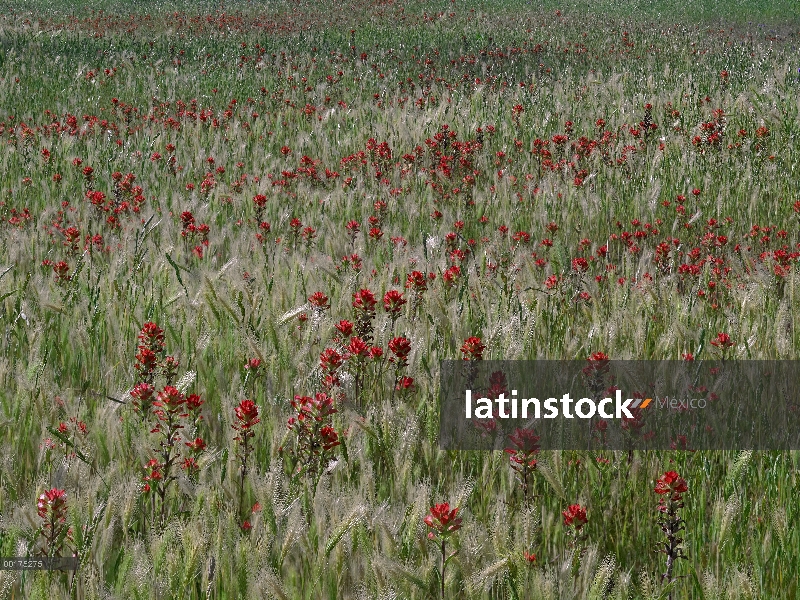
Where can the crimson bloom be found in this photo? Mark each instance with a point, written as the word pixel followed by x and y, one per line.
pixel 194 402
pixel 442 520
pixel 51 506
pixel 52 503
pixel 246 414
pixel 416 280
pixel 400 347
pixel 673 484
pixel 170 367
pixel 404 384
pixel 364 300
pixel 525 445
pixel 151 336
pixel 473 348
pixel 345 327
pixel 198 445
pixel 357 347
pixel 393 302
pixel 328 437
pixel 580 264
pixel 598 365
pixel 253 364
pixel 143 394
pixel 575 516
pixel 319 301
pixel 330 360
pixel 170 398
pixel 723 340
pixel 451 275
pixel 353 227
pixel 147 362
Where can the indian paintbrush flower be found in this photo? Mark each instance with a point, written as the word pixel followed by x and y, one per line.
pixel 246 418
pixel 442 522
pixel 671 487
pixel 522 455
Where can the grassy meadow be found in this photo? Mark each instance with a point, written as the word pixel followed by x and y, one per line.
pixel 255 179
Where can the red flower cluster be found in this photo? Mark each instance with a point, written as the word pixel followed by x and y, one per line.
pixel 525 446
pixel 247 417
pixel 52 505
pixel 442 520
pixel 253 365
pixel 364 300
pixel 316 436
pixel 143 394
pixel 473 348
pixel 401 348
pixel 52 508
pixel 393 302
pixel 319 301
pixel 672 484
pixel 151 348
pixel 575 516
pixel 417 281
pixel 723 341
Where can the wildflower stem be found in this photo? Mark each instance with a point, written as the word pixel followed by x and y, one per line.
pixel 444 564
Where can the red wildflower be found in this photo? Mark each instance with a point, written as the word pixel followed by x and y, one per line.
pixel 253 364
pixel 52 502
pixel 353 227
pixel 393 302
pixel 575 516
pixel 357 347
pixel 170 398
pixel 400 347
pixel 580 264
pixel 345 327
pixel 147 361
pixel 198 445
pixel 416 280
pixel 319 301
pixel 328 437
pixel 442 520
pixel 671 483
pixel 193 403
pixel 451 275
pixel 472 348
pixel 364 300
pixel 330 360
pixel 247 415
pixel 404 384
pixel 142 394
pixel 525 442
pixel 723 340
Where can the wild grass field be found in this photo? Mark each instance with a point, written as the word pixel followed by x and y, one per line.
pixel 237 239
